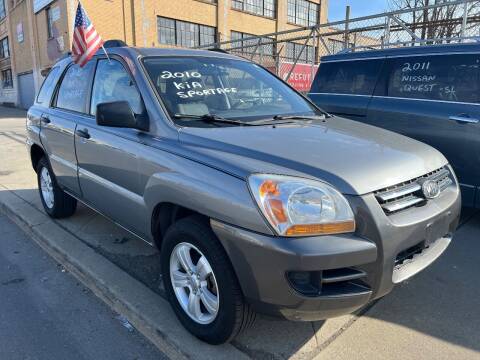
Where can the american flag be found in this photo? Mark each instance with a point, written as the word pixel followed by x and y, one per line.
pixel 86 40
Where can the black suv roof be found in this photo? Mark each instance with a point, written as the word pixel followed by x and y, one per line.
pixel 403 51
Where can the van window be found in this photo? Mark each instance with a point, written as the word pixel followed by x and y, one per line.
pixel 47 87
pixel 347 77
pixel 74 88
pixel 440 77
pixel 113 83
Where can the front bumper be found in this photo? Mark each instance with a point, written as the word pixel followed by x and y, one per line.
pixel 353 268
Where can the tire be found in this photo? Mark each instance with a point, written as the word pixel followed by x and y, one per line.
pixel 233 314
pixel 57 204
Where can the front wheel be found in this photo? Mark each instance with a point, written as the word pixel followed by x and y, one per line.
pixel 56 202
pixel 201 284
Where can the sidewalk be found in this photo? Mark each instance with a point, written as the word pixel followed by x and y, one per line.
pixel 423 315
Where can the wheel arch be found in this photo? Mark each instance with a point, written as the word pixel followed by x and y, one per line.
pixel 36 153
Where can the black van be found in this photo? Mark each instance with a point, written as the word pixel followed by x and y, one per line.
pixel 430 93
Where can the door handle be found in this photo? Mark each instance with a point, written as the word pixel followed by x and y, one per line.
pixel 83 133
pixel 45 119
pixel 464 119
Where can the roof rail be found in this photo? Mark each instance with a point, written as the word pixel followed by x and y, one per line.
pixel 114 43
pixel 218 50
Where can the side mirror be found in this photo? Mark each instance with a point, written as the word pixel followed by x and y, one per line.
pixel 119 114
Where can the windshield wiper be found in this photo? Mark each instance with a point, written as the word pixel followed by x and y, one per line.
pixel 211 118
pixel 300 117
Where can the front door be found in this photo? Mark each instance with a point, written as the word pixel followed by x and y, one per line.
pixel 108 166
pixel 435 99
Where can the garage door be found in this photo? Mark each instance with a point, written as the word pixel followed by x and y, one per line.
pixel 26 90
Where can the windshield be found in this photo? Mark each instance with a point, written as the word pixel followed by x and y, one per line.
pixel 227 88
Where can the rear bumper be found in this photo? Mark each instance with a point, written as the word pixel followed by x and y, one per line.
pixel 351 269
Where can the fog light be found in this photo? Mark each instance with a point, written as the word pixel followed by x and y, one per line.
pixel 307 283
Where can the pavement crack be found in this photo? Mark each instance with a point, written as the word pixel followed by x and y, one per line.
pixel 314 334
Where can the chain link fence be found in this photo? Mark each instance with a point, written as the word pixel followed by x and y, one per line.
pixel 294 55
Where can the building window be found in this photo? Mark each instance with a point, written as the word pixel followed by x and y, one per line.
pixel 4 49
pixel 49 22
pixel 336 46
pixel 294 50
pixel 250 47
pixel 302 12
pixel 7 81
pixel 256 7
pixel 182 33
pixel 2 9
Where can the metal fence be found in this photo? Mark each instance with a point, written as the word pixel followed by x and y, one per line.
pixel 295 54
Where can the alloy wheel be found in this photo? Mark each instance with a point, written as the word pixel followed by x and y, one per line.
pixel 46 187
pixel 194 283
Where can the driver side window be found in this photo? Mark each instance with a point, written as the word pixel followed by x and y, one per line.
pixel 113 83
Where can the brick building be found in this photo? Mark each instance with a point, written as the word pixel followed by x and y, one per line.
pixel 35 33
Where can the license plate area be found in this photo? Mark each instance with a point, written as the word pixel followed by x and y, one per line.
pixel 436 230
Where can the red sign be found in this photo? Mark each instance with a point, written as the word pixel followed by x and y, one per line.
pixel 301 77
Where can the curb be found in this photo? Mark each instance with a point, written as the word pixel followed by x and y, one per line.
pixel 147 311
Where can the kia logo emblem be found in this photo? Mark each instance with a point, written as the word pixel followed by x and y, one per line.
pixel 430 189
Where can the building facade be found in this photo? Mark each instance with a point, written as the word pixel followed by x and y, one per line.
pixel 34 34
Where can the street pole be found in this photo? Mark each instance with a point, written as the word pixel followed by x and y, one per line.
pixel 347 21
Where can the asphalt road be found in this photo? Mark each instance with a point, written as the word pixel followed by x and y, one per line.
pixel 46 314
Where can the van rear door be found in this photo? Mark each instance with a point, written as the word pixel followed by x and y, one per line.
pixel 435 99
pixel 345 87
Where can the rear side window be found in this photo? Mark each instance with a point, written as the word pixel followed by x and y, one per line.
pixel 347 77
pixel 47 88
pixel 440 77
pixel 73 91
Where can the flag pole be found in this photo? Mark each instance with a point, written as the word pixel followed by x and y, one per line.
pixel 105 51
pixel 103 47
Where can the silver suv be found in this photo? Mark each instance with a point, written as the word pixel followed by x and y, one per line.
pixel 258 200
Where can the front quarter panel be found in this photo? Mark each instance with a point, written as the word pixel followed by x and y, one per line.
pixel 169 178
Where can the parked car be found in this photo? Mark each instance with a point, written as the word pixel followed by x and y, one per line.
pixel 429 93
pixel 257 200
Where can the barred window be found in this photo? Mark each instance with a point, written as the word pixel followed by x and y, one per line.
pixel 4 49
pixel 186 34
pixel 183 33
pixel 166 31
pixel 207 35
pixel 7 80
pixel 293 50
pixel 256 7
pixel 249 46
pixel 302 12
pixel 336 46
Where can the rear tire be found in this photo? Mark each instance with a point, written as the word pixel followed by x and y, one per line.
pixel 231 315
pixel 57 203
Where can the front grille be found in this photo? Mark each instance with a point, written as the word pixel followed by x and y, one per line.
pixel 409 194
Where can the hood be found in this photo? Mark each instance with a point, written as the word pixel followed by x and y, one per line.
pixel 355 158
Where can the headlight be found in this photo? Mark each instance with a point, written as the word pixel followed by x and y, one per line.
pixel 301 207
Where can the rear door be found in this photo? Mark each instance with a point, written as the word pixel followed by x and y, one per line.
pixel 59 123
pixel 344 88
pixel 435 99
